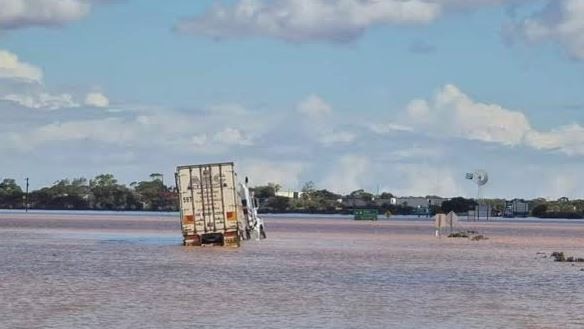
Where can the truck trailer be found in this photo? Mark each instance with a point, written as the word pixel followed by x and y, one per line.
pixel 214 208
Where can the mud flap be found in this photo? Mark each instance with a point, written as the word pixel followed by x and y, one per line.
pixel 192 241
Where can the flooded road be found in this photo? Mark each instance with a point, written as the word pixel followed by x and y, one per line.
pixel 120 271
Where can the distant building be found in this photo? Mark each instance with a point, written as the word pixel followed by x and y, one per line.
pixel 420 202
pixel 289 194
pixel 480 212
pixel 516 208
pixel 350 202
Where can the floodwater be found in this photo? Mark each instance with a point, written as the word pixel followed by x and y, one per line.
pixel 101 270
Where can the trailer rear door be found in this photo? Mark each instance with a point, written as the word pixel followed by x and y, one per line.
pixel 207 198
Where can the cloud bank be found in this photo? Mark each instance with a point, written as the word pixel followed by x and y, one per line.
pixel 22 84
pixel 307 20
pixel 560 21
pixel 11 67
pixel 336 21
pixel 16 14
pixel 452 113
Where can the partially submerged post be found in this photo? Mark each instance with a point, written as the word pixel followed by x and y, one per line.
pixel 443 221
pixel 452 220
pixel 439 223
pixel 26 197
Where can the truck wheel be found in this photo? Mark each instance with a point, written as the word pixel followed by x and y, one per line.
pixel 262 232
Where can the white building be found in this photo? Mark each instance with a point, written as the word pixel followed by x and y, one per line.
pixel 289 194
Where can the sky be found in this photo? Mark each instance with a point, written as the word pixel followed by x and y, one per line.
pixel 400 96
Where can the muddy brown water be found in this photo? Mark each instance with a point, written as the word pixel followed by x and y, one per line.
pixel 119 271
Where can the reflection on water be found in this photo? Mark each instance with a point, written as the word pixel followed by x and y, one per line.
pixel 308 274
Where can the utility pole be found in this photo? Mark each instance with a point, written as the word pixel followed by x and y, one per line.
pixel 26 197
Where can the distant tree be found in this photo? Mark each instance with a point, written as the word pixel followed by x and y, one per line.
pixel 362 195
pixel 539 210
pixel 9 185
pixel 64 194
pixel 108 194
pixel 278 204
pixel 266 191
pixel 154 195
pixel 326 195
pixel 497 205
pixel 157 176
pixel 313 200
pixel 10 194
pixel 386 196
pixel 308 187
pixel 458 205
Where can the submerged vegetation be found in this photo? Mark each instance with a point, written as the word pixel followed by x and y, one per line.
pixel 471 235
pixel 559 256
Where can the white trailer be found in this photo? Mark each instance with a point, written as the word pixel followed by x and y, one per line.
pixel 210 208
pixel 214 209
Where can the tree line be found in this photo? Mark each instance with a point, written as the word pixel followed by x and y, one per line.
pixel 103 192
pixel 314 200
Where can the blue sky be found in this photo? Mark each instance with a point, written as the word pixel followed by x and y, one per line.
pixel 404 95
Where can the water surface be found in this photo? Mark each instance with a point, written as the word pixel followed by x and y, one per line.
pixel 98 270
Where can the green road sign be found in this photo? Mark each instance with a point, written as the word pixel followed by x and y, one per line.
pixel 365 214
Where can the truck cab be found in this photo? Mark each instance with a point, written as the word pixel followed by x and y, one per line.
pixel 255 228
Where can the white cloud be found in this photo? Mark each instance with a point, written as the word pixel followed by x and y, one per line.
pixel 96 99
pixel 232 136
pixel 465 4
pixel 174 131
pixel 42 100
pixel 22 84
pixel 454 114
pixel 334 21
pixel 416 153
pixel 336 137
pixel 110 130
pixel 12 68
pixel 426 180
pixel 200 140
pixel 315 107
pixel 320 123
pixel 23 13
pixel 348 174
pixel 568 139
pixel 211 131
pixel 389 128
pixel 561 21
pixel 307 20
pixel 114 131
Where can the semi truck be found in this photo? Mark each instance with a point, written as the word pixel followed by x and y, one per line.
pixel 214 208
